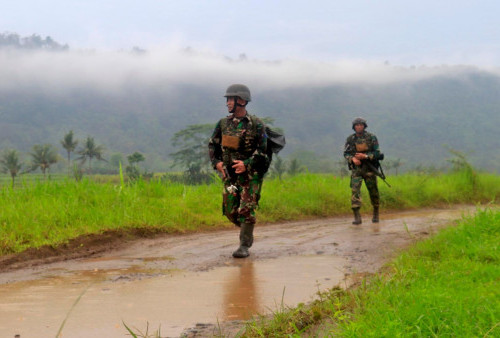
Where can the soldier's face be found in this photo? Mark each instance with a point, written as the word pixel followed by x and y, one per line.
pixel 359 127
pixel 230 102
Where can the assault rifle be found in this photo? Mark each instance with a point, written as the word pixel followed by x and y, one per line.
pixel 374 165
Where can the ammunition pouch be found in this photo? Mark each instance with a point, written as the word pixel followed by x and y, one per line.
pixel 361 147
pixel 231 142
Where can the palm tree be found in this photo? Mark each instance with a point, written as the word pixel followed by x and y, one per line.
pixel 135 158
pixel 89 151
pixel 279 167
pixel 43 157
pixel 69 144
pixel 294 167
pixel 10 163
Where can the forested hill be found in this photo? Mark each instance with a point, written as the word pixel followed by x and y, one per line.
pixel 413 119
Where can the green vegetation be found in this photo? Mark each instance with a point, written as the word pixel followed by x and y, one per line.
pixel 51 212
pixel 447 286
pixel 412 119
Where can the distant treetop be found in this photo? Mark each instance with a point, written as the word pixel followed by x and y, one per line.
pixel 33 42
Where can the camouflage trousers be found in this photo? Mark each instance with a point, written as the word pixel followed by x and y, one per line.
pixel 357 177
pixel 241 198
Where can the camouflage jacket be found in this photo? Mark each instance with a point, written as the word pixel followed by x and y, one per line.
pixel 367 143
pixel 239 139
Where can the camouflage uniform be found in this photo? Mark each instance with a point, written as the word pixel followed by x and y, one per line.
pixel 248 143
pixel 367 143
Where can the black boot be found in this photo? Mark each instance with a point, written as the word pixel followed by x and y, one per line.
pixel 375 218
pixel 357 216
pixel 246 241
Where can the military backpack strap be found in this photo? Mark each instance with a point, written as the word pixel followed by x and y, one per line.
pixel 253 119
pixel 223 124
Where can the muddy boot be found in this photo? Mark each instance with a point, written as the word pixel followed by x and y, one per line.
pixel 246 240
pixel 357 216
pixel 375 218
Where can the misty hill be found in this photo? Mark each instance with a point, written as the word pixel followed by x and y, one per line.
pixel 414 121
pixel 412 117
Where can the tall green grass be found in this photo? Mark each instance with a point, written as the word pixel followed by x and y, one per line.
pixel 447 286
pixel 40 213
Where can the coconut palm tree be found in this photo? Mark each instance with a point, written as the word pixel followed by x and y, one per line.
pixel 10 164
pixel 89 151
pixel 279 167
pixel 43 157
pixel 69 144
pixel 295 167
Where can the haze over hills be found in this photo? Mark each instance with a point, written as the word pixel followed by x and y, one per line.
pixel 136 101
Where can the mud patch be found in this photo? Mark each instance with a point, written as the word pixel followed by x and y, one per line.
pixel 82 246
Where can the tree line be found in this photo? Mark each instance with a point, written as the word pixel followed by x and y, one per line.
pixel 32 42
pixel 43 156
pixel 191 156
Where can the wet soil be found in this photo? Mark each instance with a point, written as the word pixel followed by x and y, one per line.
pixel 189 284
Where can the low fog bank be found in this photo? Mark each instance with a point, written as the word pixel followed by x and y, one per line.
pixel 59 72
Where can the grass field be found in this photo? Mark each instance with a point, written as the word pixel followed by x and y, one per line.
pixel 446 286
pixel 50 212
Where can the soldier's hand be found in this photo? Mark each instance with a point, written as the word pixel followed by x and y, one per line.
pixel 239 166
pixel 356 161
pixel 220 168
pixel 361 156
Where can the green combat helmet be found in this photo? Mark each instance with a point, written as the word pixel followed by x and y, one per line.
pixel 239 90
pixel 359 120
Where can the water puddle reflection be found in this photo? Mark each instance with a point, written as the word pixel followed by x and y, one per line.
pixel 173 300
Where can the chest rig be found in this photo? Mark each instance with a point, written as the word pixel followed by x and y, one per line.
pixel 238 138
pixel 363 143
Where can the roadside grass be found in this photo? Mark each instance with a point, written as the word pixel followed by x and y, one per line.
pixel 446 286
pixel 52 212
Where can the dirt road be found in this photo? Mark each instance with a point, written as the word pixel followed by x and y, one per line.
pixel 186 284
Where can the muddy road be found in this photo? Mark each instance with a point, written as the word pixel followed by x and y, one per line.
pixel 190 284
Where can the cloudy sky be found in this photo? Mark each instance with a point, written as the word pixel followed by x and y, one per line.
pixel 431 32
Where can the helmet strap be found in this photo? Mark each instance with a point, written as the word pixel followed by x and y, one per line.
pixel 235 103
pixel 239 104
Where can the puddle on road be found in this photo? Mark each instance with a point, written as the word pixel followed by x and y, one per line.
pixel 172 301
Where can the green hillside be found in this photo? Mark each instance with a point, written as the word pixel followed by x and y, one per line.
pixel 415 120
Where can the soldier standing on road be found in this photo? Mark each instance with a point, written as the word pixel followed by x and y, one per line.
pixel 361 148
pixel 237 151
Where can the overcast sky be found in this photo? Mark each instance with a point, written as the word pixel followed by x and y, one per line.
pixel 430 32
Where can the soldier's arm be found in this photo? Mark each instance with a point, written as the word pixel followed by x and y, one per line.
pixel 214 146
pixel 349 150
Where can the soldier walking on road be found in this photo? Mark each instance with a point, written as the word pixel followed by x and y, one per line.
pixel 361 151
pixel 237 151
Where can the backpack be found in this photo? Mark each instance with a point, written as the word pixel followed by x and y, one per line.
pixel 275 142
